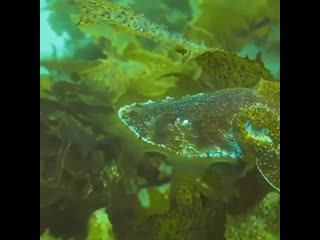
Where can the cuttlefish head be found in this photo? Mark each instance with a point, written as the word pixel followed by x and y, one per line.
pixel 257 130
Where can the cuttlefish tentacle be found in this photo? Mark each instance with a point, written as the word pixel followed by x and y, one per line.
pixel 257 130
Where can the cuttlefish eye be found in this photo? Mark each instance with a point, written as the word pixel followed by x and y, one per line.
pixel 257 129
pixel 260 135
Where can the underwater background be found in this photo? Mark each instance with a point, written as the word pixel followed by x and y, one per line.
pixel 159 120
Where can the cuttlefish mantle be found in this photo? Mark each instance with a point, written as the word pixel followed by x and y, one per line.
pixel 198 126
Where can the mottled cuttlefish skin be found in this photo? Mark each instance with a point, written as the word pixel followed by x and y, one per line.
pixel 198 126
pixel 222 126
pixel 258 132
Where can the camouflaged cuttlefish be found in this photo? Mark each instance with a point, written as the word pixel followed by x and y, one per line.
pixel 229 125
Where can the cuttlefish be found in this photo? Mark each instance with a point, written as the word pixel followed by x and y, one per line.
pixel 229 125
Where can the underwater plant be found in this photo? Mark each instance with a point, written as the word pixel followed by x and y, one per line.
pixel 233 24
pixel 99 228
pixel 261 222
pixel 47 236
pixel 99 11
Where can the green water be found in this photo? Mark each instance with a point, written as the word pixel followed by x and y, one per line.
pixel 129 149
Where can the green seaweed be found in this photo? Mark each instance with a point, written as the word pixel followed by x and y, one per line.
pixel 262 222
pixel 231 25
pixel 95 12
pixel 91 166
pixel 47 236
pixel 221 69
pixel 99 226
